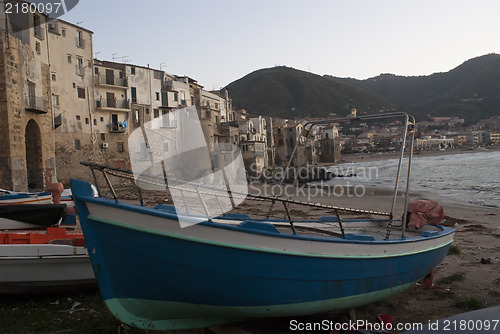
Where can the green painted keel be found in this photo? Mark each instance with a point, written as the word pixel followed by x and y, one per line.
pixel 164 315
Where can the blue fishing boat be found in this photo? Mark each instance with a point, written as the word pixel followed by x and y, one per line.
pixel 166 268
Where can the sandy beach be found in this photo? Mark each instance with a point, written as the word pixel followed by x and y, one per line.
pixel 462 282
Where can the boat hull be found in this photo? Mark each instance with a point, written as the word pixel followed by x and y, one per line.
pixel 25 216
pixel 153 274
pixel 26 198
pixel 44 268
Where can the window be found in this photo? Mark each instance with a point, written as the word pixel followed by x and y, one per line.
pixel 55 98
pixel 74 85
pixel 103 136
pixel 133 94
pixel 77 144
pixel 157 96
pixel 37 48
pixel 63 32
pixel 132 70
pixel 77 117
pixel 147 111
pixel 120 74
pixel 69 59
pixel 176 97
pixel 96 70
pixel 156 113
pixel 120 147
pixel 80 42
pixel 53 77
pixel 53 26
pixel 102 119
pixel 95 121
pixel 80 69
pixel 81 93
pixel 86 120
pixel 36 26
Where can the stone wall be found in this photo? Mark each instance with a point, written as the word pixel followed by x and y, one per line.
pixel 69 156
pixel 19 64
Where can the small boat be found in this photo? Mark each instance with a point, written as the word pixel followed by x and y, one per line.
pixel 13 197
pixel 28 216
pixel 15 213
pixel 170 267
pixel 45 261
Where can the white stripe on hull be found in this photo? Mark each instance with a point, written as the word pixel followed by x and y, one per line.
pixel 10 224
pixel 40 250
pixel 28 200
pixel 265 242
pixel 43 265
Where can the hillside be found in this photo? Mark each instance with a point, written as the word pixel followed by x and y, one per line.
pixel 287 92
pixel 471 90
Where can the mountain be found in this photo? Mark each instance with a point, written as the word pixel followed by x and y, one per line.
pixel 286 92
pixel 470 91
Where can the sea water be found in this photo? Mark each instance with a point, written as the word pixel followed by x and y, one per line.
pixel 465 177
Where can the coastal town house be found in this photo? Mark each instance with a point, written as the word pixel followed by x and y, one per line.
pixel 72 91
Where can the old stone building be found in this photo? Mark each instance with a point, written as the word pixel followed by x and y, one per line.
pixel 26 118
pixel 72 91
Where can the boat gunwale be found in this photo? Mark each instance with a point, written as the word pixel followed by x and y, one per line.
pixel 445 231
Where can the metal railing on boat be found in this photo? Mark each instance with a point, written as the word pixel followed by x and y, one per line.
pixel 128 174
pixel 201 189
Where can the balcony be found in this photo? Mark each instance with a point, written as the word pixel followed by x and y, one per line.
pixel 168 85
pixel 36 104
pixel 118 127
pixel 169 123
pixel 112 104
pixel 103 80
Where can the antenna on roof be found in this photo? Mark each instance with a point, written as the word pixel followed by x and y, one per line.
pixel 125 60
pixel 95 54
pixel 162 65
pixel 78 22
pixel 114 58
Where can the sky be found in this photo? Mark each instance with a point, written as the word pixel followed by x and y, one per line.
pixel 219 41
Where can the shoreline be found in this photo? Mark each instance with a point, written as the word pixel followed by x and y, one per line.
pixel 364 157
